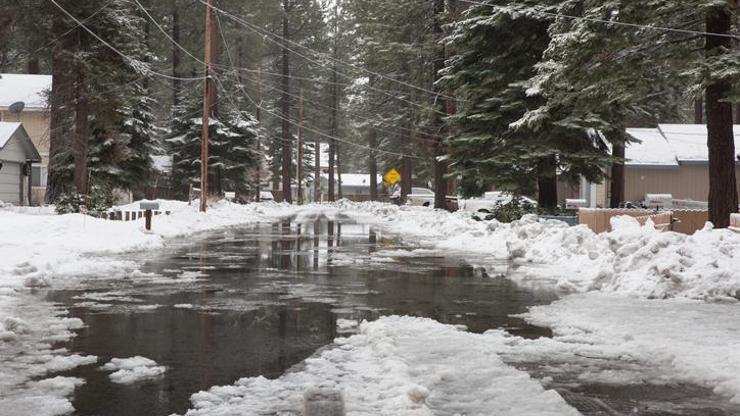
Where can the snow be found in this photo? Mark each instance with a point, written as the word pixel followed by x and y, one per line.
pixel 6 132
pixel 133 370
pixel 31 89
pixel 671 145
pixel 395 366
pixel 652 150
pixel 667 341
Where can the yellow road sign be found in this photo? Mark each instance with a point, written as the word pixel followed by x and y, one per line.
pixel 391 177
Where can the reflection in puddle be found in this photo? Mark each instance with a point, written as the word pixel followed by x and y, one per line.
pixel 260 300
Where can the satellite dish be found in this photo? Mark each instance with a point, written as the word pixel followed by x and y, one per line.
pixel 17 107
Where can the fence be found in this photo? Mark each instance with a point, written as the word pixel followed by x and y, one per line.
pixel 130 215
pixel 684 221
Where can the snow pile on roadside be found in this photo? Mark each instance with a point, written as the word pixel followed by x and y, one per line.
pixel 677 340
pixel 633 259
pixel 36 248
pixel 395 366
pixel 132 370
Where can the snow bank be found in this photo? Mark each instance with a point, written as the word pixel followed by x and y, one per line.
pixel 630 259
pixel 132 370
pixel 668 341
pixel 395 366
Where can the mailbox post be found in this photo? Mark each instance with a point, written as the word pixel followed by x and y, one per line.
pixel 148 207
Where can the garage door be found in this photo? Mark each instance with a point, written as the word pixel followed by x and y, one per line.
pixel 10 175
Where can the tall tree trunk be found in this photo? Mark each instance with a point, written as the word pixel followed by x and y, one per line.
pixel 62 119
pixel 81 137
pixel 617 176
pixel 175 54
pixel 450 104
pixel 317 171
pixel 339 174
pixel 407 177
pixel 334 122
pixel 285 109
pixel 699 111
pixel 547 184
pixel 440 167
pixel 723 199
pixel 372 140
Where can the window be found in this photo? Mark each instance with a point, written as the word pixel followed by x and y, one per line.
pixel 38 176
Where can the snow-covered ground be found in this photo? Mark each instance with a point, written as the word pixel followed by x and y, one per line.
pixel 39 248
pixel 663 304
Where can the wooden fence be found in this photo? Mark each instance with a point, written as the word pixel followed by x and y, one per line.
pixel 684 221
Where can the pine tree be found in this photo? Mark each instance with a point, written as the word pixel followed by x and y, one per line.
pixel 491 145
pixel 232 147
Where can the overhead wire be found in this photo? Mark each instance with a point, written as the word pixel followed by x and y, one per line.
pixel 134 63
pixel 268 36
pixel 293 123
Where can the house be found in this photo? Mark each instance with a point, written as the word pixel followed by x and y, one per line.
pixel 667 159
pixel 355 186
pixel 17 153
pixel 35 115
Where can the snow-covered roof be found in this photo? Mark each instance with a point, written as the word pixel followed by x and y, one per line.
pixel 32 90
pixel 6 132
pixel 671 145
pixel 652 150
pixel 9 130
pixel 355 179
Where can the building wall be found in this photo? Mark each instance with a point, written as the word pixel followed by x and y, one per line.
pixel 37 124
pixel 10 182
pixel 684 182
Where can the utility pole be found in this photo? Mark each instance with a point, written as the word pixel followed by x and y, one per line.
pixel 258 113
pixel 335 104
pixel 299 159
pixel 285 104
pixel 207 106
pixel 317 171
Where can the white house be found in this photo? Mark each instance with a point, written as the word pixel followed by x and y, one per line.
pixel 17 153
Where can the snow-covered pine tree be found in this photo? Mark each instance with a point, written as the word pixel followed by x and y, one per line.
pixel 489 145
pixel 232 147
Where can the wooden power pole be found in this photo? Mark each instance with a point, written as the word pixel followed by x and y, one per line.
pixel 207 107
pixel 299 158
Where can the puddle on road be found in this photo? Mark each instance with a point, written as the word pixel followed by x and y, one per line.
pixel 260 300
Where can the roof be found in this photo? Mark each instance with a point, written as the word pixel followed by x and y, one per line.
pixel 162 163
pixel 355 179
pixel 671 145
pixel 9 131
pixel 30 89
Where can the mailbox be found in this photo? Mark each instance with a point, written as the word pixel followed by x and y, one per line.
pixel 149 205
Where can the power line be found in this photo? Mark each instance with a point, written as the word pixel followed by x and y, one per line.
pixel 136 64
pixel 164 32
pixel 317 132
pixel 604 21
pixel 287 119
pixel 267 36
pixel 331 58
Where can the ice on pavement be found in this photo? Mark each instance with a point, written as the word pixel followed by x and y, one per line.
pixel 396 366
pixel 133 370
